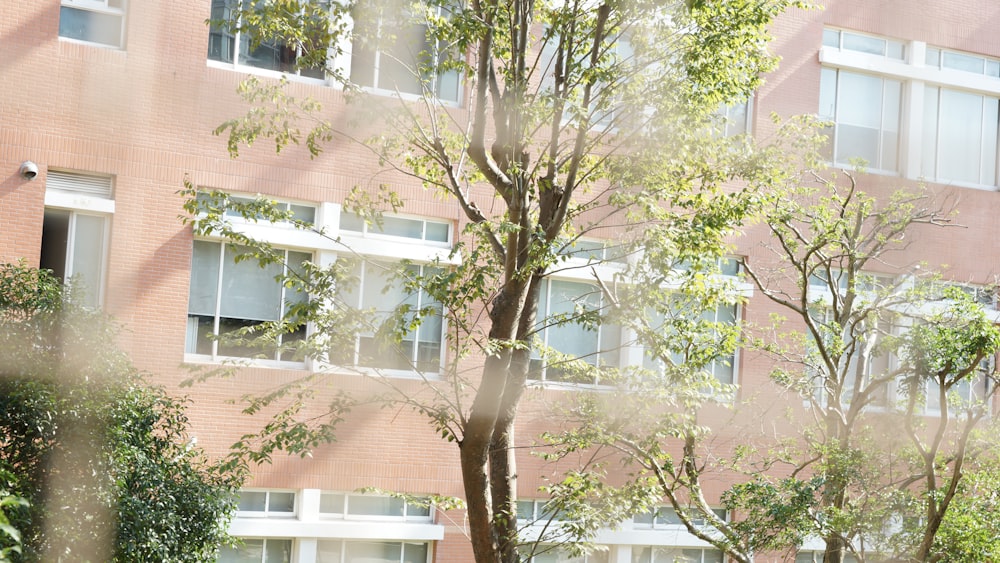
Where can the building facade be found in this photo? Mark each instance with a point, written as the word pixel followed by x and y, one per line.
pixel 109 106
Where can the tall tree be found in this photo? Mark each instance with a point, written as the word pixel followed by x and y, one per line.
pixel 894 365
pixel 580 119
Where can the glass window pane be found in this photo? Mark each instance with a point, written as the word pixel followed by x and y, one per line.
pixel 277 551
pixel 959 136
pixel 437 232
pixel 351 222
pixel 414 553
pixel 966 63
pixel 417 510
pixel 993 68
pixel 933 57
pixel 399 227
pixel 86 25
pixel 305 213
pixel 831 38
pixel 331 503
pixel 373 552
pixel 667 516
pixel 398 62
pixel 328 551
pixel 365 505
pixel 88 257
pixel 642 555
pixel 643 518
pixel 895 50
pixel 828 94
pixel 525 510
pixel 988 158
pixel 249 291
pixel 570 337
pixel 859 100
pixel 864 43
pixel 928 161
pixel 204 289
pixel 252 551
pixel 253 501
pixel 281 502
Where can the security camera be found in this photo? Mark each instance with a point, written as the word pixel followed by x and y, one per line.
pixel 28 170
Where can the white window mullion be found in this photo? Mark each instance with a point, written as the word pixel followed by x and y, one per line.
pixel 70 246
pixel 218 301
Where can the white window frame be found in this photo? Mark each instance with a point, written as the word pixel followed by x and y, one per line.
pixel 345 543
pixel 309 525
pixel 391 89
pixel 264 540
pixel 267 512
pixel 667 523
pixel 406 509
pixel 192 355
pixel 677 550
pixel 89 195
pixel 370 245
pixel 224 35
pixel 282 236
pixel 715 365
pixel 104 9
pixel 885 120
pixel 730 125
pixel 915 75
pixel 593 357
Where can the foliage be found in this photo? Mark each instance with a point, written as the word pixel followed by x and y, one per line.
pixel 580 119
pixel 101 460
pixel 884 493
pixel 970 531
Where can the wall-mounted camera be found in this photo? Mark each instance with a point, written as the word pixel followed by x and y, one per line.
pixel 28 170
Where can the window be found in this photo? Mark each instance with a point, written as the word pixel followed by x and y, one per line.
pixel 656 554
pixel 235 47
pixel 734 119
pixel 967 392
pixel 532 511
pixel 75 232
pixel 942 59
pixel 817 557
pixel 383 289
pixel 591 251
pixel 960 136
pixel 392 52
pixel 868 44
pixel 341 505
pixel 266 504
pixel 568 323
pixel 666 517
pixel 299 212
pixel 553 554
pixel 341 551
pixel 864 110
pixel 255 550
pixel 401 227
pixel 226 296
pixel 722 368
pixel 93 21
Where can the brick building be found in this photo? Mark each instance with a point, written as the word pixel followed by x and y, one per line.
pixel 115 102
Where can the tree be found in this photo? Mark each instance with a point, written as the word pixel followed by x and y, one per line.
pixel 582 119
pixel 101 459
pixel 895 369
pixel 880 350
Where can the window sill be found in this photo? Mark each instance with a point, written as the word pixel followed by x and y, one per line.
pixel 236 361
pixel 72 41
pixel 267 73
